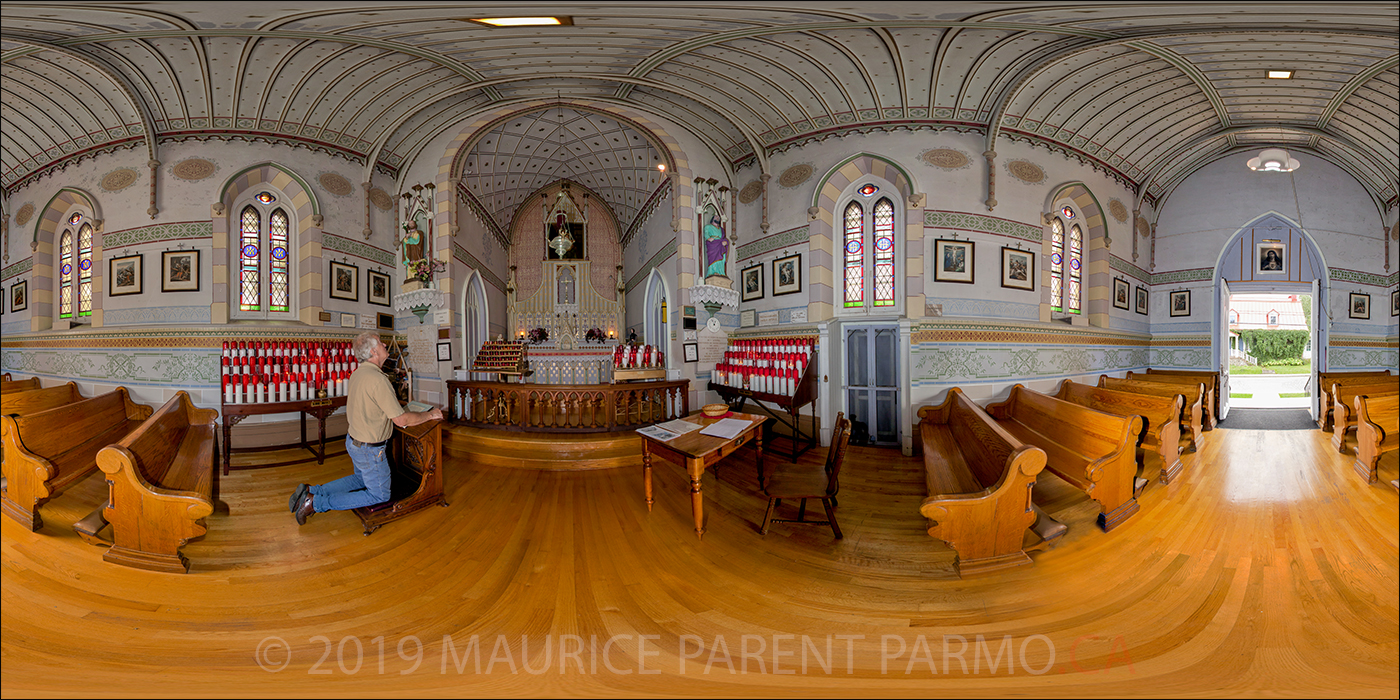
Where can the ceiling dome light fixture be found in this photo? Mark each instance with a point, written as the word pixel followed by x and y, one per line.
pixel 1273 160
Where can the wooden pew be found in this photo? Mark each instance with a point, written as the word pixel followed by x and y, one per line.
pixel 25 402
pixel 1192 415
pixel 1344 407
pixel 1209 378
pixel 1210 414
pixel 1161 414
pixel 48 451
pixel 161 480
pixel 979 482
pixel 17 385
pixel 1325 383
pixel 1377 431
pixel 1092 450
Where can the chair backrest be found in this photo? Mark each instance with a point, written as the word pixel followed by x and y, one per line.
pixel 840 437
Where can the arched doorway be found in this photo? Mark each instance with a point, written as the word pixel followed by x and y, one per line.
pixel 656 314
pixel 474 315
pixel 1269 254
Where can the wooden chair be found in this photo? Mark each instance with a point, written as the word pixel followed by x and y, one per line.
pixel 796 482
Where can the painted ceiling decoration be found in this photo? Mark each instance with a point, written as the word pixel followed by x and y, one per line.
pixel 1147 92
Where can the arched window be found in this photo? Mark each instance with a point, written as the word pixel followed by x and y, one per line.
pixel 868 239
pixel 264 248
pixel 75 269
pixel 1066 263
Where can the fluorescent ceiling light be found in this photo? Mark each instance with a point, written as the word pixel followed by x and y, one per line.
pixel 1282 74
pixel 523 21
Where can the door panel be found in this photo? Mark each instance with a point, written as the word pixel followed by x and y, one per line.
pixel 872 383
pixel 1224 398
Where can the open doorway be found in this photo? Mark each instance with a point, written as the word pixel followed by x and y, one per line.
pixel 1271 350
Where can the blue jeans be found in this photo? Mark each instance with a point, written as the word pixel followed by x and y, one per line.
pixel 367 486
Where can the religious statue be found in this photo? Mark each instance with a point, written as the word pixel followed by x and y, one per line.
pixel 411 243
pixel 716 246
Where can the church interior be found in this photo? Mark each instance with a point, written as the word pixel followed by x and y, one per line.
pixel 964 267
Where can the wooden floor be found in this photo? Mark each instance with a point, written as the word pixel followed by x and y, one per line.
pixel 1268 568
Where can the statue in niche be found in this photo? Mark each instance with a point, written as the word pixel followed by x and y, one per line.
pixel 412 243
pixel 564 294
pixel 716 245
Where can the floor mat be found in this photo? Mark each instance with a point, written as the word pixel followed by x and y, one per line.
pixel 1269 419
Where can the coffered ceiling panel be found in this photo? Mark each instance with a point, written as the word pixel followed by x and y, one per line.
pixel 1146 91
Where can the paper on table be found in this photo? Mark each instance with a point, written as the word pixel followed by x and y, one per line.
pixel 679 426
pixel 729 428
pixel 656 432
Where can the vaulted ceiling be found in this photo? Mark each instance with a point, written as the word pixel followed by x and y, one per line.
pixel 1147 91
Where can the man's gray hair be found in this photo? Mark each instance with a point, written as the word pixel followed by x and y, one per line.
pixel 363 346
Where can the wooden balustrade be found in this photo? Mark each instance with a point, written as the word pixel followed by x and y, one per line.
pixel 566 408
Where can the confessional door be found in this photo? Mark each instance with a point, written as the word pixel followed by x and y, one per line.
pixel 872 383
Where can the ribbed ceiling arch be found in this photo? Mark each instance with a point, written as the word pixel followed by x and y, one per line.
pixel 1133 88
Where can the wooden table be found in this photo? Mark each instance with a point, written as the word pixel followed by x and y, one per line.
pixel 320 409
pixel 696 452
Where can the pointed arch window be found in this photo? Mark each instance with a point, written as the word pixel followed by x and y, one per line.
pixel 868 242
pixel 264 259
pixel 1066 264
pixel 75 271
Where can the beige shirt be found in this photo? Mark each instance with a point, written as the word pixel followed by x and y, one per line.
pixel 371 406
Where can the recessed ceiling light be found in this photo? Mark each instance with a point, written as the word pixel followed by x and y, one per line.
pixel 523 21
pixel 1281 74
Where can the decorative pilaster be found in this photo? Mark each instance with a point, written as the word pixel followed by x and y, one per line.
pixel 991 157
pixel 154 165
pixel 366 186
pixel 764 178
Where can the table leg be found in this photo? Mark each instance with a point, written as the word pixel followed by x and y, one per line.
pixel 646 472
pixel 697 497
pixel 321 429
pixel 302 415
pixel 758 445
pixel 227 432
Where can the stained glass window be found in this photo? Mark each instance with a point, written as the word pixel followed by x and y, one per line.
pixel 855 255
pixel 278 294
pixel 1057 264
pixel 869 190
pixel 266 197
pixel 85 270
pixel 1067 213
pixel 75 218
pixel 65 275
pixel 250 230
pixel 884 253
pixel 1075 261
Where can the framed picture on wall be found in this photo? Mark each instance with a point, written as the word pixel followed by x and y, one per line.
pixel 1181 303
pixel 385 321
pixel 787 275
pixel 345 281
pixel 444 352
pixel 691 352
pixel 1270 258
pixel 179 271
pixel 19 296
pixel 1395 303
pixel 1141 300
pixel 378 286
pixel 349 320
pixel 1120 293
pixel 2 301
pixel 1017 268
pixel 124 275
pixel 1359 306
pixel 752 279
pixel 953 261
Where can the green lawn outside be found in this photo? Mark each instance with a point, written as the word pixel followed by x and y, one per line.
pixel 1241 396
pixel 1294 395
pixel 1299 369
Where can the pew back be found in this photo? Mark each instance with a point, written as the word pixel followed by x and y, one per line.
pixel 1160 417
pixel 18 385
pixel 1344 407
pixel 23 402
pixel 1327 381
pixel 1377 431
pixel 1192 411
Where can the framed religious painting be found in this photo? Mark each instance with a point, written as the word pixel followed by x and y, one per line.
pixel 179 271
pixel 1121 288
pixel 124 275
pixel 1271 258
pixel 1395 303
pixel 1180 303
pixel 1140 301
pixel 345 281
pixel 1359 306
pixel 787 275
pixel 752 282
pixel 377 284
pixel 953 261
pixel 1017 268
pixel 384 321
pixel 19 296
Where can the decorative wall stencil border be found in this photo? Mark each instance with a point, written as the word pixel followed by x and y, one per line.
pixel 999 334
pixel 18 268
pixel 963 221
pixel 158 232
pixel 1180 358
pixel 799 331
pixel 1129 269
pixel 1343 275
pixel 1356 330
pixel 661 255
pixel 935 364
pixel 1349 342
pixel 156 314
pixel 471 261
pixel 185 369
pixel 197 337
pixel 782 239
pixel 359 249
pixel 986 308
pixel 1362 359
pixel 1196 275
